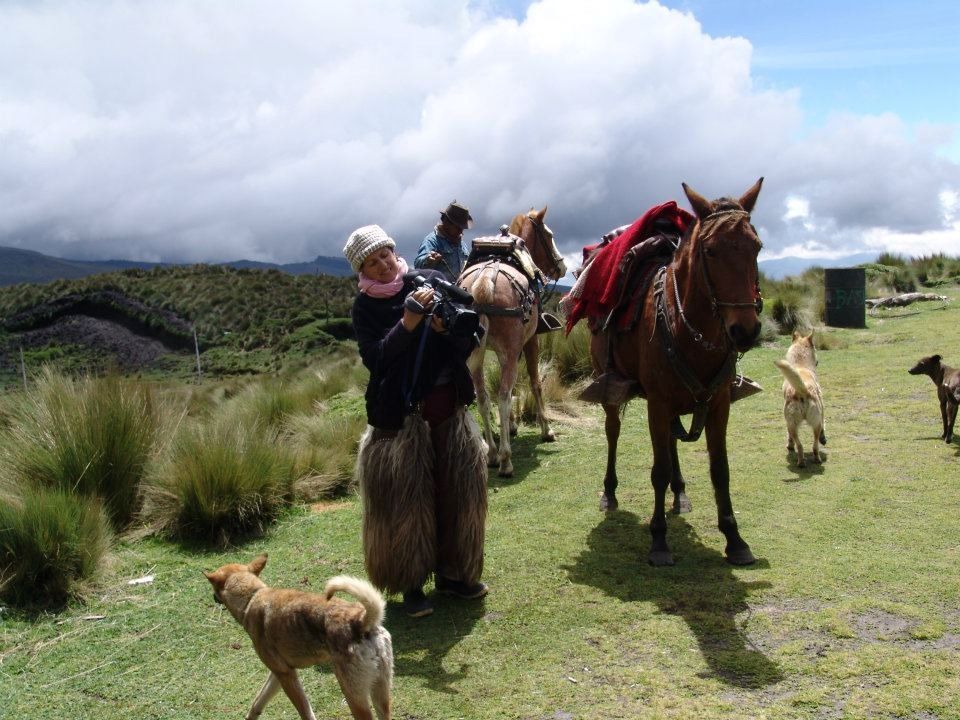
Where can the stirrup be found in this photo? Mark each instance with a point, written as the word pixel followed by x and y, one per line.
pixel 743 387
pixel 611 388
pixel 548 323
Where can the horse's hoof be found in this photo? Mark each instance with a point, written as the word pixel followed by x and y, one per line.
pixel 681 504
pixel 513 431
pixel 660 558
pixel 506 470
pixel 493 462
pixel 608 504
pixel 549 437
pixel 741 556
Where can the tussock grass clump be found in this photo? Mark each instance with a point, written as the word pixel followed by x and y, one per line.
pixel 568 354
pixel 90 436
pixel 324 450
pixel 269 402
pixel 52 543
pixel 219 481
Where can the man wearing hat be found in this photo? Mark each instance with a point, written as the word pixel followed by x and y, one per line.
pixel 443 249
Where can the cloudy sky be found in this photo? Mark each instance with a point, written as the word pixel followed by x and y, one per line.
pixel 225 129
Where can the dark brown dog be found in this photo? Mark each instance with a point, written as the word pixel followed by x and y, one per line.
pixel 292 629
pixel 947 380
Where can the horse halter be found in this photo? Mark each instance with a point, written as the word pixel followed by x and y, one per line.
pixel 546 237
pixel 715 304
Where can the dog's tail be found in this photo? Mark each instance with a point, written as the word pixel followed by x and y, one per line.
pixel 792 377
pixel 364 592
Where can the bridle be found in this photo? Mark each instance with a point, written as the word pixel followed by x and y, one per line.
pixel 715 304
pixel 546 238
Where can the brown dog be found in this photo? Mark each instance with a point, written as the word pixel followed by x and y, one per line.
pixel 292 629
pixel 802 398
pixel 947 380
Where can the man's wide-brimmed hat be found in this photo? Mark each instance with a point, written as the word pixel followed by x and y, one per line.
pixel 364 241
pixel 458 215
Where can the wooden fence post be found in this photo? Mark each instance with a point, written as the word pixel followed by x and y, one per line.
pixel 196 347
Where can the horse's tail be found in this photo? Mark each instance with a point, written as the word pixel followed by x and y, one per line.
pixel 484 289
pixel 793 377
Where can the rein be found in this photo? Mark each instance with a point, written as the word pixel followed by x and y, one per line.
pixel 702 394
pixel 541 234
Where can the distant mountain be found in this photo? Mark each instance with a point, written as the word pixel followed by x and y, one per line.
pixel 27 266
pixel 787 266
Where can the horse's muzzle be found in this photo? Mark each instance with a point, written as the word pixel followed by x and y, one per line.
pixel 744 339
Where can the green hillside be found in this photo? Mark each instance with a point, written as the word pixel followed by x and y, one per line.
pixel 244 318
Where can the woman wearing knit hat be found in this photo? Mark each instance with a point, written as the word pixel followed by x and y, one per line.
pixel 421 465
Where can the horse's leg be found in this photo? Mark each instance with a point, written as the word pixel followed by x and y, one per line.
pixel 508 378
pixel 681 503
pixel 660 475
pixel 738 552
pixel 952 413
pixel 611 426
pixel 531 351
pixel 475 364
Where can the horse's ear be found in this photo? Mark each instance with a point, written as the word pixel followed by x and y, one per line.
pixel 542 214
pixel 749 198
pixel 701 206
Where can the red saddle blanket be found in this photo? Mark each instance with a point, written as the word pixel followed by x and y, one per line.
pixel 600 286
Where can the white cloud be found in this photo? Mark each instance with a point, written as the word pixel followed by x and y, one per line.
pixel 213 131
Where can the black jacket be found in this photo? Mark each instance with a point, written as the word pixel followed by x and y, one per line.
pixel 389 353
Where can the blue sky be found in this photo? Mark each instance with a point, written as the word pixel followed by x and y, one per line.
pixel 869 57
pixel 184 131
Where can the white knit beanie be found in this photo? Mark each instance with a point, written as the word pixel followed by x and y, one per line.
pixel 364 241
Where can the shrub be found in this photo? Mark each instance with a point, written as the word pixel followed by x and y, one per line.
pixel 570 354
pixel 219 481
pixel 92 436
pixel 324 450
pixel 52 542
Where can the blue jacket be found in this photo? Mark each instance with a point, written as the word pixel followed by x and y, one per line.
pixel 454 255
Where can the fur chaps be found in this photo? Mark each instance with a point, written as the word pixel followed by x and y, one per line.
pixel 403 494
pixel 461 498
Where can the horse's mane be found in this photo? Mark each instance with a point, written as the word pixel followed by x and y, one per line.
pixel 517 223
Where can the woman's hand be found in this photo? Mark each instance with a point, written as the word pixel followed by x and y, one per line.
pixel 411 319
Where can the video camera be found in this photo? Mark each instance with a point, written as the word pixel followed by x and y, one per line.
pixel 449 304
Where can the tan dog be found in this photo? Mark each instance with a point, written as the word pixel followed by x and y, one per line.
pixel 293 629
pixel 802 398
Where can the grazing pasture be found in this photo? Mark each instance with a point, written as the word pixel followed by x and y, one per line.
pixel 852 609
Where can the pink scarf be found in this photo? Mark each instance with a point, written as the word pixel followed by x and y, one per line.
pixel 384 290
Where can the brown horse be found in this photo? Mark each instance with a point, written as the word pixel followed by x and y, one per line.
pixel 700 312
pixel 502 296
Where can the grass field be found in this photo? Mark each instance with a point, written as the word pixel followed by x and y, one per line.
pixel 852 610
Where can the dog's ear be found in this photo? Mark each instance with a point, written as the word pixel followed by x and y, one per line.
pixel 257 564
pixel 937 358
pixel 810 338
pixel 216 578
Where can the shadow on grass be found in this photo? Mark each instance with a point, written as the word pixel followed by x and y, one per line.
pixel 803 473
pixel 421 644
pixel 527 449
pixel 701 588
